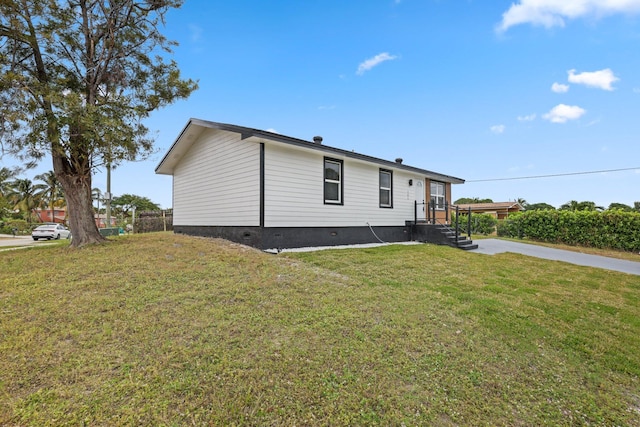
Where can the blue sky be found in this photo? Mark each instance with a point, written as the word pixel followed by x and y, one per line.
pixel 471 88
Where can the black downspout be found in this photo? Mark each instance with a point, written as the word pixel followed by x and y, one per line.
pixel 262 185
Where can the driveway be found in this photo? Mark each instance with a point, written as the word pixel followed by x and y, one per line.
pixel 497 246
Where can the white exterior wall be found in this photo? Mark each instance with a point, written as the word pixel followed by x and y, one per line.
pixel 217 182
pixel 294 196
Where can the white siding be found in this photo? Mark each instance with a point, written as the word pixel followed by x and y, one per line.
pixel 294 192
pixel 217 182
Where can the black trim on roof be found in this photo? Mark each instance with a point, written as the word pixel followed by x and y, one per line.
pixel 246 132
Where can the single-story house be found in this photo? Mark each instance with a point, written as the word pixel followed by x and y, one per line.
pixel 499 210
pixel 57 215
pixel 102 222
pixel 273 191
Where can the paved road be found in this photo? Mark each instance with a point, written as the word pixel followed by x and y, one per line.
pixel 496 246
pixel 9 240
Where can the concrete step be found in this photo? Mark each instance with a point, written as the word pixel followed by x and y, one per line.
pixel 467 246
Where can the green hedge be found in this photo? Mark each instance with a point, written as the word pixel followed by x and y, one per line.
pixel 480 223
pixel 614 229
pixel 7 225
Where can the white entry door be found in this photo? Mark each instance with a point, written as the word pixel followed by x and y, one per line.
pixel 419 198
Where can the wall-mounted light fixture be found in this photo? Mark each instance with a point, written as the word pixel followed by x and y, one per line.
pixel 410 182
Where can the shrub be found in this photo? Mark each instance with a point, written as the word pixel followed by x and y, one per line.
pixel 614 229
pixel 480 223
pixel 510 227
pixel 20 224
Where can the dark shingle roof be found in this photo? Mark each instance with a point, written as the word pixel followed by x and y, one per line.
pixel 166 164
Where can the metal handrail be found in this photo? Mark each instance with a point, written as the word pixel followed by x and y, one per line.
pixel 431 217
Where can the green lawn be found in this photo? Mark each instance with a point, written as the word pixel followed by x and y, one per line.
pixel 160 329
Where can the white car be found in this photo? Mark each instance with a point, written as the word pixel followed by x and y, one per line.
pixel 51 231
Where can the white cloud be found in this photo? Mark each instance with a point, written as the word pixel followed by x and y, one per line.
pixel 599 79
pixel 272 130
pixel 562 113
pixel 498 129
pixel 196 32
pixel 372 62
pixel 528 118
pixel 553 13
pixel 559 88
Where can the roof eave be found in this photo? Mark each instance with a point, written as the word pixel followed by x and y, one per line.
pixel 246 133
pixel 159 169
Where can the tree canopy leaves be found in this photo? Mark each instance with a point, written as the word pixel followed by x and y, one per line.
pixel 76 81
pixel 126 202
pixel 471 200
pixel 539 206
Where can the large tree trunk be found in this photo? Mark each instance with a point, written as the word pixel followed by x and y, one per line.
pixel 77 191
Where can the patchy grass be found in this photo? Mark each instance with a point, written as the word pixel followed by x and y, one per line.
pixel 162 329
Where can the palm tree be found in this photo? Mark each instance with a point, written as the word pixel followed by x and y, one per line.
pixel 50 191
pixel 23 196
pixel 96 195
pixel 570 206
pixel 5 185
pixel 522 202
pixel 580 206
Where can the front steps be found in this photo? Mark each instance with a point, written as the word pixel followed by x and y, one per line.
pixel 463 242
pixel 440 234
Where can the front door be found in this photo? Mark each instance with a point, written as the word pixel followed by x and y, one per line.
pixel 419 200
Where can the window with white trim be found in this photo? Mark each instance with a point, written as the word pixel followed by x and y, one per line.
pixel 438 194
pixel 386 185
pixel 333 181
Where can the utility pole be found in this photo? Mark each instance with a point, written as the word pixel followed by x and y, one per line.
pixel 107 196
pixel 98 195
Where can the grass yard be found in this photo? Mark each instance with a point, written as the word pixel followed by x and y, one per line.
pixel 161 329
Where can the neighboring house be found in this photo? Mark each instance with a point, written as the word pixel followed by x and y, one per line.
pixel 101 220
pixel 499 210
pixel 57 215
pixel 273 191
